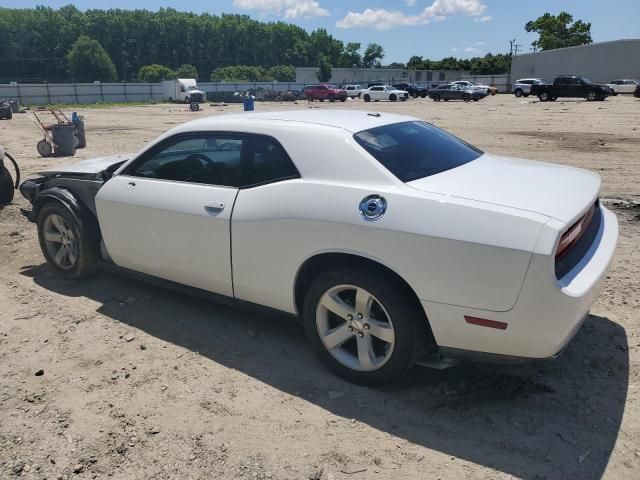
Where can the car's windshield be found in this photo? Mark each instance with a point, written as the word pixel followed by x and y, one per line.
pixel 413 150
pixel 191 87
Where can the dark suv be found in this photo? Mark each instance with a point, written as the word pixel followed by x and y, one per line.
pixel 414 90
pixel 324 92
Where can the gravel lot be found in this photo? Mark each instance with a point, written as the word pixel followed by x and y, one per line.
pixel 139 382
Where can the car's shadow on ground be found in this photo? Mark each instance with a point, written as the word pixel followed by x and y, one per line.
pixel 557 419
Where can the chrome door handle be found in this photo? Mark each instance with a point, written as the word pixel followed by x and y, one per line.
pixel 215 205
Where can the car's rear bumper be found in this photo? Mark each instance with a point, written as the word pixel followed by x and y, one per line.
pixel 547 314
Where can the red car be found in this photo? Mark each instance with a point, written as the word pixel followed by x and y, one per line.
pixel 324 92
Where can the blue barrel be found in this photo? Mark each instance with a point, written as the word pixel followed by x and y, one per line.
pixel 247 103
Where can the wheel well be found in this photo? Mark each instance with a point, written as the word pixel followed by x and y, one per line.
pixel 314 265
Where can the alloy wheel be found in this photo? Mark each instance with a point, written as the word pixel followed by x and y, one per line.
pixel 355 328
pixel 60 242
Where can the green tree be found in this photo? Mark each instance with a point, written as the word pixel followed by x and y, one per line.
pixel 187 71
pixel 372 56
pixel 324 72
pixel 282 73
pixel 155 73
pixel 350 56
pixel 240 73
pixel 88 61
pixel 559 31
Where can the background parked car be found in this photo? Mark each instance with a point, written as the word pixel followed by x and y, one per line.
pixel 352 91
pixel 487 89
pixel 414 90
pixel 324 92
pixel 455 92
pixel 623 86
pixel 522 87
pixel 637 92
pixel 384 92
pixel 572 86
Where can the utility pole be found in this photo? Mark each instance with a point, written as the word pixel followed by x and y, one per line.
pixel 514 47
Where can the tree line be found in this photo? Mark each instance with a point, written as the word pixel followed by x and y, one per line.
pixel 66 44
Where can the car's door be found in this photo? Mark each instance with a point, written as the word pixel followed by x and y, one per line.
pixel 629 86
pixel 561 87
pixel 376 92
pixel 168 213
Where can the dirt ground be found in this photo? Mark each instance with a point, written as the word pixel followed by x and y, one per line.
pixel 142 383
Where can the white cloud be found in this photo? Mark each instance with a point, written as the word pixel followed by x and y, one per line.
pixel 382 19
pixel 480 44
pixel 472 50
pixel 287 8
pixel 454 49
pixel 486 18
pixel 410 3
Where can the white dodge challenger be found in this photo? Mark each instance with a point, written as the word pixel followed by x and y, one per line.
pixel 395 242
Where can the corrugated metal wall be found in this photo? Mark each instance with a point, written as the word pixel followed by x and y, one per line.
pixel 307 75
pixel 600 62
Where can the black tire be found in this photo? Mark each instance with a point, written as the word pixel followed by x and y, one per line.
pixel 525 95
pixel 414 94
pixel 553 99
pixel 87 255
pixel 367 98
pixel 393 97
pixel 436 97
pixel 9 115
pixel 475 99
pixel 6 187
pixel 332 98
pixel 592 96
pixel 343 99
pixel 544 96
pixel 446 99
pixel 466 97
pixel 412 335
pixel 518 93
pixel 423 95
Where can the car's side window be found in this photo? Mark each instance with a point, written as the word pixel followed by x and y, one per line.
pixel 207 158
pixel 265 161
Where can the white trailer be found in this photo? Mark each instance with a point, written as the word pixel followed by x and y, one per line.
pixel 184 90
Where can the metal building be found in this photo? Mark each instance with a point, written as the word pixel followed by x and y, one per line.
pixel 600 62
pixel 307 75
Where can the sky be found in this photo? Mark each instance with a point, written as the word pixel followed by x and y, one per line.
pixel 430 28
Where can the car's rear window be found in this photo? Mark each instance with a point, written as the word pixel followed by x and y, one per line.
pixel 412 150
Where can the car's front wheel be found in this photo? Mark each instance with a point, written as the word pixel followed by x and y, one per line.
pixel 393 97
pixel 67 249
pixel 518 93
pixel 364 327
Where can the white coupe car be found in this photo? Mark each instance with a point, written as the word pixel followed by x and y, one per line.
pixel 383 92
pixel 395 242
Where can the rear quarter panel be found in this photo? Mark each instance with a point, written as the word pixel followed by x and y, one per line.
pixel 449 250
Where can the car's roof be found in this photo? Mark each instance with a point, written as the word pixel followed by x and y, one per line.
pixel 350 120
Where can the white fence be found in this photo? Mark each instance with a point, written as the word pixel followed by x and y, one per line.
pixel 72 93
pixel 47 93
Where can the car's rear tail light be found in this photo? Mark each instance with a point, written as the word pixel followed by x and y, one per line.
pixel 573 234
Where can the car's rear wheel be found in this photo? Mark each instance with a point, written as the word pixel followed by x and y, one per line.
pixel 67 249
pixel 365 327
pixel 518 93
pixel 592 96
pixel 367 98
pixel 543 96
pixel 466 97
pixel 6 187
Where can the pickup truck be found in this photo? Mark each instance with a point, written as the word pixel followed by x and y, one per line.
pixel 570 86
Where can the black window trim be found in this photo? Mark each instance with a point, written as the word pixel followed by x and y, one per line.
pixel 230 134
